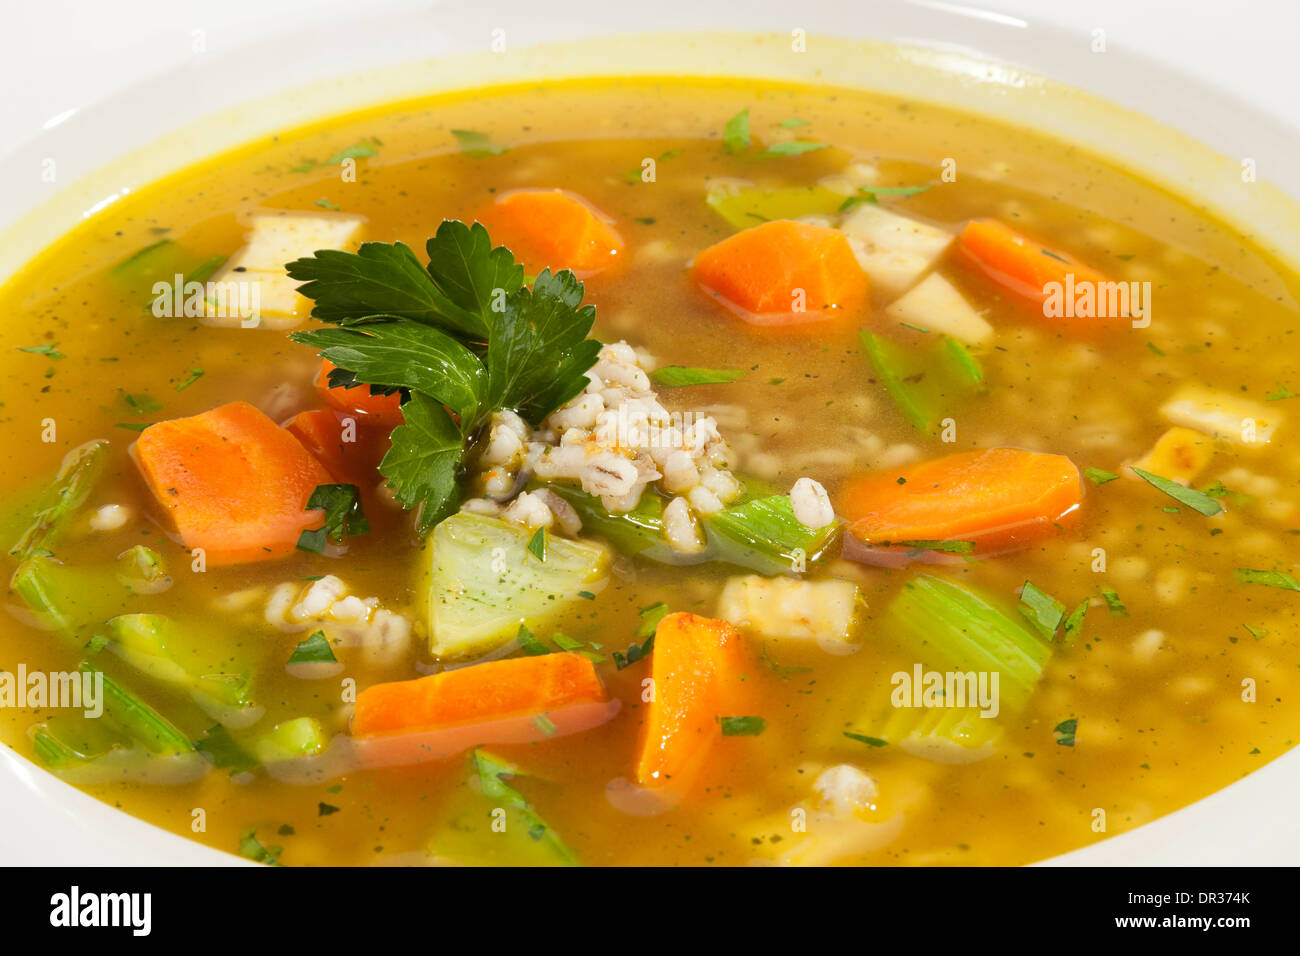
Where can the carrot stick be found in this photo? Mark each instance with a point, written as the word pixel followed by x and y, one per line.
pixel 551 227
pixel 1027 268
pixel 519 687
pixel 784 273
pixel 696 667
pixel 382 411
pixel 232 482
pixel 997 499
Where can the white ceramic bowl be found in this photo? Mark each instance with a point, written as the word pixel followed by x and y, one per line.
pixel 154 84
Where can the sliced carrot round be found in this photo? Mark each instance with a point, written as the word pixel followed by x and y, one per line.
pixel 551 227
pixel 382 411
pixel 997 499
pixel 784 273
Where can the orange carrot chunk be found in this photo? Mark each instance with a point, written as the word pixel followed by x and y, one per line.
pixel 351 457
pixel 784 273
pixel 997 499
pixel 551 227
pixel 382 411
pixel 1028 269
pixel 232 482
pixel 495 691
pixel 696 667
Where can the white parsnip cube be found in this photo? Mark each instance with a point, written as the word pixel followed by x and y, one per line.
pixel 787 608
pixel 1222 415
pixel 893 250
pixel 935 304
pixel 273 240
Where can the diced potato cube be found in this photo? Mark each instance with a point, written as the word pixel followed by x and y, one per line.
pixel 787 608
pixel 1180 453
pixel 934 303
pixel 1222 415
pixel 893 250
pixel 259 267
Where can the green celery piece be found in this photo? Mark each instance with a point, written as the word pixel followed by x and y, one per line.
pixel 133 717
pixel 70 742
pixel 468 835
pixel 151 644
pixel 158 261
pixel 141 569
pixel 299 737
pixel 750 206
pixel 760 533
pixel 77 477
pixel 639 531
pixel 925 381
pixel 484 583
pixel 950 627
pixel 952 735
pixel 764 535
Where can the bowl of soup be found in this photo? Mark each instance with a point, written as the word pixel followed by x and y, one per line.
pixel 705 448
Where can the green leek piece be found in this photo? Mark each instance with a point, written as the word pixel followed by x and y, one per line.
pixel 77 477
pixel 750 206
pixel 299 737
pixel 493 824
pixel 152 644
pixel 129 714
pixel 926 382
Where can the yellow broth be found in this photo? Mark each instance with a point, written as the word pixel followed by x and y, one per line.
pixel 1155 731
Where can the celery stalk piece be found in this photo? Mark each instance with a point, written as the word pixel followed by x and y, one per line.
pixel 68 742
pixel 953 735
pixel 77 477
pixel 149 643
pixel 141 569
pixel 132 716
pixel 927 382
pixel 763 534
pixel 299 737
pixel 950 627
pixel 760 534
pixel 484 582
pixel 472 832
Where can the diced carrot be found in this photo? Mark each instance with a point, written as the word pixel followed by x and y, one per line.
pixel 784 273
pixel 517 687
pixel 1028 269
pixel 383 411
pixel 696 666
pixel 551 227
pixel 997 499
pixel 351 456
pixel 232 482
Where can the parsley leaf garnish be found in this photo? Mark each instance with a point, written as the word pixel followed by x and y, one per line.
pixel 1196 500
pixel 460 338
pixel 343 516
pixel 735 135
pixel 476 144
pixel 743 726
pixel 678 376
pixel 315 650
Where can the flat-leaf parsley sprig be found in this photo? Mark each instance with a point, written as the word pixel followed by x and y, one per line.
pixel 460 338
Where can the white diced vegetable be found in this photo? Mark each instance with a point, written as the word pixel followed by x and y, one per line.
pixel 893 250
pixel 1222 415
pixel 274 240
pixel 787 608
pixel 935 304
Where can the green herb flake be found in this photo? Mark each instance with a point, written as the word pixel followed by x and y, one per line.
pixel 250 848
pixel 343 516
pixel 793 148
pixel 49 349
pixel 1065 731
pixel 1198 501
pixel 476 144
pixel 529 643
pixel 650 618
pixel 742 726
pixel 1113 602
pixel 314 650
pixel 195 373
pixel 545 725
pixel 1281 393
pixel 735 135
pixel 792 123
pixel 537 544
pixel 1041 609
pixel 1258 633
pixel 325 204
pixel 864 739
pixel 678 376
pixel 1271 579
pixel 1099 477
